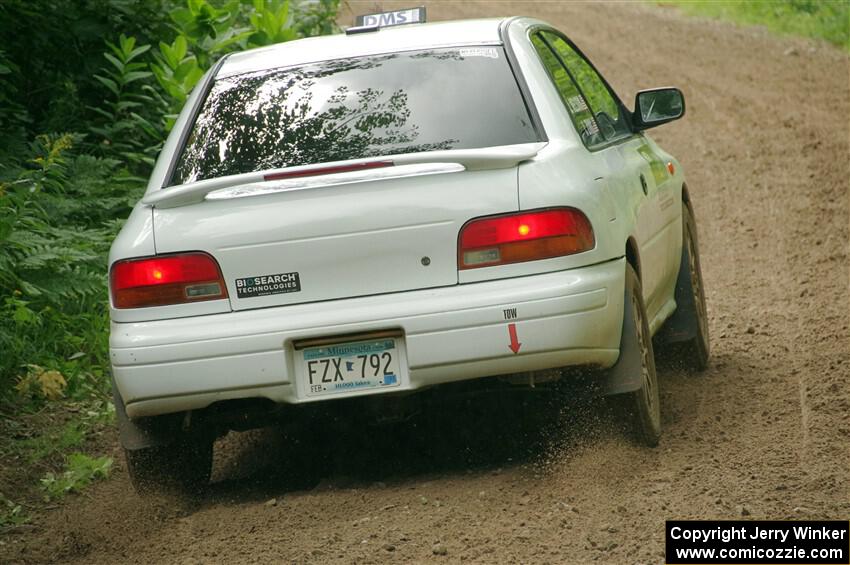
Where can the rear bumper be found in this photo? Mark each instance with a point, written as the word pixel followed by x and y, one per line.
pixel 454 333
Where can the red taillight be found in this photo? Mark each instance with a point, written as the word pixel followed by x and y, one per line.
pixel 169 279
pixel 524 237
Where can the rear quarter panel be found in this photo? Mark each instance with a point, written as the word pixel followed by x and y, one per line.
pixel 564 173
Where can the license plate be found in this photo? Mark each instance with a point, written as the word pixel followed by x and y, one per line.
pixel 351 366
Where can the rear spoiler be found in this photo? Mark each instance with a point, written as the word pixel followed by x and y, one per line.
pixel 355 170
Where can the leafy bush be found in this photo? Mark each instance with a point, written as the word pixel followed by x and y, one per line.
pixel 63 196
pixel 204 33
pixel 125 133
pixel 13 116
pixel 54 234
pixel 56 46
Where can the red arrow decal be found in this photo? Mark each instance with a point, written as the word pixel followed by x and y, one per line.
pixel 515 344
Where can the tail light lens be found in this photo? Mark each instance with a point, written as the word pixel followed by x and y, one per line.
pixel 528 236
pixel 168 279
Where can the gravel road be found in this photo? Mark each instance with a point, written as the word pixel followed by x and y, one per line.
pixel 764 433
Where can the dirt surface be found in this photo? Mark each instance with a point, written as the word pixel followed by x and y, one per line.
pixel 764 432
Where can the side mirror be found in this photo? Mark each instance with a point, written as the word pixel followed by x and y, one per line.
pixel 657 106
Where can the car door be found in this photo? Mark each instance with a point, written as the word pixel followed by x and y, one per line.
pixel 602 123
pixel 664 237
pixel 637 179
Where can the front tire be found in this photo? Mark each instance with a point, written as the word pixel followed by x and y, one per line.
pixel 642 407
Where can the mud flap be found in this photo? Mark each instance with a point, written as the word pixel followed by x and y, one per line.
pixel 144 432
pixel 625 375
pixel 682 325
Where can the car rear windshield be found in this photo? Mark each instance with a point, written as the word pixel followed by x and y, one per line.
pixel 458 98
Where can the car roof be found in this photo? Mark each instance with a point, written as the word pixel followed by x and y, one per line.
pixel 385 40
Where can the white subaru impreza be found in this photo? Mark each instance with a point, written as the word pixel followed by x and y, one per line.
pixel 391 209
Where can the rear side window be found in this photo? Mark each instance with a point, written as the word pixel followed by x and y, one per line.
pixel 459 98
pixel 576 104
pixel 606 110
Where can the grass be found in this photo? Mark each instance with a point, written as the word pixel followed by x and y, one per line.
pixel 820 19
pixel 49 438
pixel 59 441
pixel 11 514
pixel 80 471
pixel 68 436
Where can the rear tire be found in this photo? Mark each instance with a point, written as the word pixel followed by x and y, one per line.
pixel 179 468
pixel 695 351
pixel 641 409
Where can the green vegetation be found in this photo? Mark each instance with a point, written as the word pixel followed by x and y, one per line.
pixel 69 436
pixel 87 97
pixel 89 89
pixel 80 471
pixel 821 19
pixel 11 514
pixel 35 444
pixel 55 440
